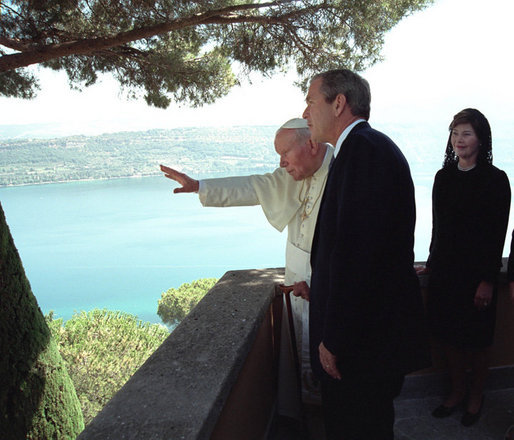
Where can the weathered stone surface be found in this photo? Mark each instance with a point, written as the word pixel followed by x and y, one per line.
pixel 180 391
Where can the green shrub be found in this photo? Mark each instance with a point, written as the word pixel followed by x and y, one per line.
pixel 102 349
pixel 175 304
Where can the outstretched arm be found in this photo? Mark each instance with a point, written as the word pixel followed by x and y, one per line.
pixel 189 185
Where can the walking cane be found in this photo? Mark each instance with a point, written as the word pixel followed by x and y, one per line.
pixel 286 290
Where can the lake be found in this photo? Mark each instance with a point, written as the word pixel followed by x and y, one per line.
pixel 118 244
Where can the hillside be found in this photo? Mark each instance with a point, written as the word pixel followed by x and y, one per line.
pixel 196 151
pixel 193 150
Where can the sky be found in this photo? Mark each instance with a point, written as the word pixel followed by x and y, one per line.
pixel 452 55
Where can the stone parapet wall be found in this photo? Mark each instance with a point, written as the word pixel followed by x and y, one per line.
pixel 182 389
pixel 215 375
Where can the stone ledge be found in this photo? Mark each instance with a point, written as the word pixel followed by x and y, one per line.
pixel 181 389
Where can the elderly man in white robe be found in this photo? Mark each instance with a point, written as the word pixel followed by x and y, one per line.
pixel 290 196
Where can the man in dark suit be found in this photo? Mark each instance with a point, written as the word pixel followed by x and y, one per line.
pixel 366 312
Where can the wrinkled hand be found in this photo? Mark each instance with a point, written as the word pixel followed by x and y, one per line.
pixel 421 270
pixel 189 185
pixel 328 362
pixel 301 289
pixel 484 295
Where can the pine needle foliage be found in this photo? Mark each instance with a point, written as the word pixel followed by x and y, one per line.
pixel 175 304
pixel 102 350
pixel 185 50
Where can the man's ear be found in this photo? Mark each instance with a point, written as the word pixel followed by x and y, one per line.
pixel 339 104
pixel 313 147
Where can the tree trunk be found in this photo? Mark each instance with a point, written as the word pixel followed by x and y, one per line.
pixel 37 397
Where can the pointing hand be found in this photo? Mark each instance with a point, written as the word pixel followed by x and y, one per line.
pixel 189 185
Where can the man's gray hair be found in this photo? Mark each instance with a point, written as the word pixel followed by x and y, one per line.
pixel 351 85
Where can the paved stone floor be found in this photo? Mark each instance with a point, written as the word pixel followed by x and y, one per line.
pixel 415 422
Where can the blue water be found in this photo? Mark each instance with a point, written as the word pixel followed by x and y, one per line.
pixel 119 244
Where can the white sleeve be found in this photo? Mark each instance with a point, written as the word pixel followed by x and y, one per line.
pixel 277 193
pixel 227 191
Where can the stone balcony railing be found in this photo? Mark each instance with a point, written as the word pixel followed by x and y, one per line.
pixel 215 376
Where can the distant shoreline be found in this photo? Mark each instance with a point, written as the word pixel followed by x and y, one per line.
pixel 234 172
pixel 93 179
pixel 136 154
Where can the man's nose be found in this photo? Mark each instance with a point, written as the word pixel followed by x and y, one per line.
pixel 283 162
pixel 305 113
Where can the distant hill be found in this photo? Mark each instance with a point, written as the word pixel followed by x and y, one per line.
pixel 28 158
pixel 205 151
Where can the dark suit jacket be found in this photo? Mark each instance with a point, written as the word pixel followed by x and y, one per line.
pixel 365 302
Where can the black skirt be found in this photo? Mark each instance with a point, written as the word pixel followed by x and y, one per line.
pixel 453 317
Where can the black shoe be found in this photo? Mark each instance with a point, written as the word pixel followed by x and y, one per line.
pixel 469 419
pixel 443 411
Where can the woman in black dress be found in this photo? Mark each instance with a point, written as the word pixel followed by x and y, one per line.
pixel 470 204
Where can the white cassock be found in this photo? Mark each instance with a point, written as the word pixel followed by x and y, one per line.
pixel 294 204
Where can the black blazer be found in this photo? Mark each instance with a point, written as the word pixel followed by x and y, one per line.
pixel 365 301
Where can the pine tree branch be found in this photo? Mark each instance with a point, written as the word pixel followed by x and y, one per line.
pixel 30 54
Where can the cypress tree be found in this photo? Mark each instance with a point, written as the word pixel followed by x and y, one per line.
pixel 37 397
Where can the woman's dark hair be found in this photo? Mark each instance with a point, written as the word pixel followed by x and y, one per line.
pixel 482 129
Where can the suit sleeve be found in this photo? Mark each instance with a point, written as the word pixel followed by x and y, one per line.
pixel 495 218
pixel 435 200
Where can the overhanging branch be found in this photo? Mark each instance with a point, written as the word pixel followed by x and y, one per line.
pixel 28 54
